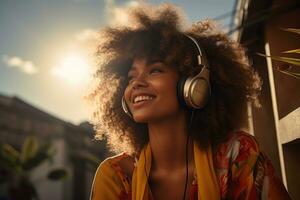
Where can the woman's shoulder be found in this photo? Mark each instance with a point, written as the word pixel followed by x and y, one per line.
pixel 239 139
pixel 244 171
pixel 238 146
pixel 114 165
pixel 119 167
pixel 234 158
pixel 111 178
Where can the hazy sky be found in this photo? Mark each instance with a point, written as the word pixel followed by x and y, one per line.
pixel 46 45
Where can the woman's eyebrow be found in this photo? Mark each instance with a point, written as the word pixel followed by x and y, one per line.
pixel 153 61
pixel 148 63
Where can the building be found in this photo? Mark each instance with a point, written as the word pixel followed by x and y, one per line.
pixel 19 119
pixel 258 26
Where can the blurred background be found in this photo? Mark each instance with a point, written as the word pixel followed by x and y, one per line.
pixel 46 62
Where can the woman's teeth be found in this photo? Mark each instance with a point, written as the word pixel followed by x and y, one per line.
pixel 142 98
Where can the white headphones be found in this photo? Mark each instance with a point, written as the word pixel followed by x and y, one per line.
pixel 193 91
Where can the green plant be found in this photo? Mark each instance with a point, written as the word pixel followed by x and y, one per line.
pixel 289 60
pixel 16 166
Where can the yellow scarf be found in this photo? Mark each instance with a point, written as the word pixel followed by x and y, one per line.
pixel 208 188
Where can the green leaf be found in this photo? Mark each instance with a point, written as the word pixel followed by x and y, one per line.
pixel 29 149
pixel 293 74
pixel 293 61
pixel 292 30
pixel 57 174
pixel 292 51
pixel 9 157
pixel 43 154
pixel 10 151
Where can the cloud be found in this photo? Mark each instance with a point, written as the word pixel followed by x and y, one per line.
pixel 24 65
pixel 117 15
pixel 86 35
pixel 86 41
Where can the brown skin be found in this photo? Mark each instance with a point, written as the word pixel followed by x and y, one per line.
pixel 167 126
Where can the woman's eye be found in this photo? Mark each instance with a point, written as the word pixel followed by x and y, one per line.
pixel 153 71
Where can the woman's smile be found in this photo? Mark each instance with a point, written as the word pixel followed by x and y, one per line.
pixel 141 101
pixel 142 98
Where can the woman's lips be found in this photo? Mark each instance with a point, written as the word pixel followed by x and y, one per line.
pixel 142 103
pixel 142 98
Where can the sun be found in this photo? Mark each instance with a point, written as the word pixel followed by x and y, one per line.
pixel 74 69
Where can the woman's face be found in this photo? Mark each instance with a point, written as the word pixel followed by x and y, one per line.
pixel 151 91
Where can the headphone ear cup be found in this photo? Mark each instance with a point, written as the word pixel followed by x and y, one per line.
pixel 194 92
pixel 180 89
pixel 198 92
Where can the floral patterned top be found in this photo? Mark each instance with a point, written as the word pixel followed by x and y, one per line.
pixel 242 170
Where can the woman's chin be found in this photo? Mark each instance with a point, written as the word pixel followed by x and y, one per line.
pixel 143 118
pixel 140 119
pixel 149 116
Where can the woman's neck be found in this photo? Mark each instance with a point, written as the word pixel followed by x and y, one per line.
pixel 168 143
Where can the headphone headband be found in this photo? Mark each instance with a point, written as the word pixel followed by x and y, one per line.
pixel 201 57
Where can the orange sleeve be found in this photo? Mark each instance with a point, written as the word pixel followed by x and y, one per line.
pixel 107 184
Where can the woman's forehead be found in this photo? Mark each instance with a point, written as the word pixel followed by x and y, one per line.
pixel 138 62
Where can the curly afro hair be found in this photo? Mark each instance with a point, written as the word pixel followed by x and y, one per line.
pixel 157 32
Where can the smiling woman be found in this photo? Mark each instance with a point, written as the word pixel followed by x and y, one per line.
pixel 73 69
pixel 172 101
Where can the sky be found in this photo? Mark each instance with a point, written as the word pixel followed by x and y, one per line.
pixel 47 46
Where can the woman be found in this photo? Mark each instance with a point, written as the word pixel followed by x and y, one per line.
pixel 173 101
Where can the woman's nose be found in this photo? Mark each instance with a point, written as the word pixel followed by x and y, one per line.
pixel 139 82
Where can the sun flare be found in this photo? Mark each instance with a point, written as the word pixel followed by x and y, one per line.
pixel 74 69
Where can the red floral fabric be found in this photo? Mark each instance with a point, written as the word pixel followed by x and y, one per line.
pixel 242 170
